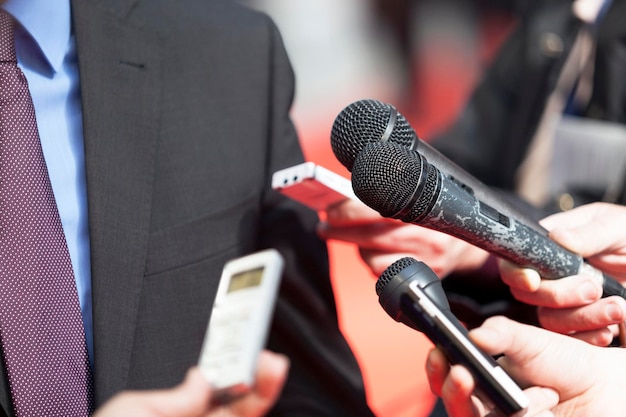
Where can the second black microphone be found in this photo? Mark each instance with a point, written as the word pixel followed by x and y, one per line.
pixel 400 183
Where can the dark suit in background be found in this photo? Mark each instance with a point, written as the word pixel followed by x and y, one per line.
pixel 491 137
pixel 185 111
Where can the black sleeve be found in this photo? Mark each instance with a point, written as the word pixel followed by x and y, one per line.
pixel 490 137
pixel 324 379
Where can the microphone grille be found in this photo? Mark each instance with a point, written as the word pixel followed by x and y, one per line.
pixel 364 122
pixel 391 271
pixel 387 176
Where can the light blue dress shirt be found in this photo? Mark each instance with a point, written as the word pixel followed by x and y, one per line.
pixel 46 52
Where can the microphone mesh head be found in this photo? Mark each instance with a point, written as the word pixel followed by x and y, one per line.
pixel 364 122
pixel 391 271
pixel 386 177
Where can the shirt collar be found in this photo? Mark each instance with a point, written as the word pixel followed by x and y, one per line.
pixel 48 22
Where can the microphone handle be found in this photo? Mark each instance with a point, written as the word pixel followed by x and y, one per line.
pixel 479 189
pixel 459 213
pixel 610 286
pixel 405 298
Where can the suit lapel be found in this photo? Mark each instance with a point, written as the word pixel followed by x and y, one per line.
pixel 119 76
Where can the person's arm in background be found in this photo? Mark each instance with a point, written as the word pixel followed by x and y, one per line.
pixel 192 397
pixel 324 378
pixel 472 280
pixel 560 373
pixel 382 241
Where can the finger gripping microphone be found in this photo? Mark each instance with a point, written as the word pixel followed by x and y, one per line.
pixel 371 121
pixel 400 183
pixel 411 293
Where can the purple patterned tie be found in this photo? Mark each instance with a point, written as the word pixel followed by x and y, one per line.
pixel 41 330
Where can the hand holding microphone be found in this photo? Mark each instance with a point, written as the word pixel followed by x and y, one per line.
pixel 411 293
pixel 523 242
pixel 598 233
pixel 402 184
pixel 560 375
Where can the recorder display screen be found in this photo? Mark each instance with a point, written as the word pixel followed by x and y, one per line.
pixel 246 279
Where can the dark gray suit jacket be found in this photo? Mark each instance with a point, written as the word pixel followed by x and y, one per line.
pixel 185 108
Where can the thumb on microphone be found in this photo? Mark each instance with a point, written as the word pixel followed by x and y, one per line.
pixel 596 232
pixel 539 357
pixel 590 229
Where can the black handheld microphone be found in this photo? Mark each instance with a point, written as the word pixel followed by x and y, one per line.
pixel 402 184
pixel 391 286
pixel 371 121
pixel 410 292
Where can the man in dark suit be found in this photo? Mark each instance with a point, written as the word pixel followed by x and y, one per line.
pixel 185 116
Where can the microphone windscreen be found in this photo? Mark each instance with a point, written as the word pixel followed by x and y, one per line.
pixel 391 271
pixel 394 180
pixel 364 122
pixel 393 283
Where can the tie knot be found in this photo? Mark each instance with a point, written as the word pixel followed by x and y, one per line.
pixel 7 38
